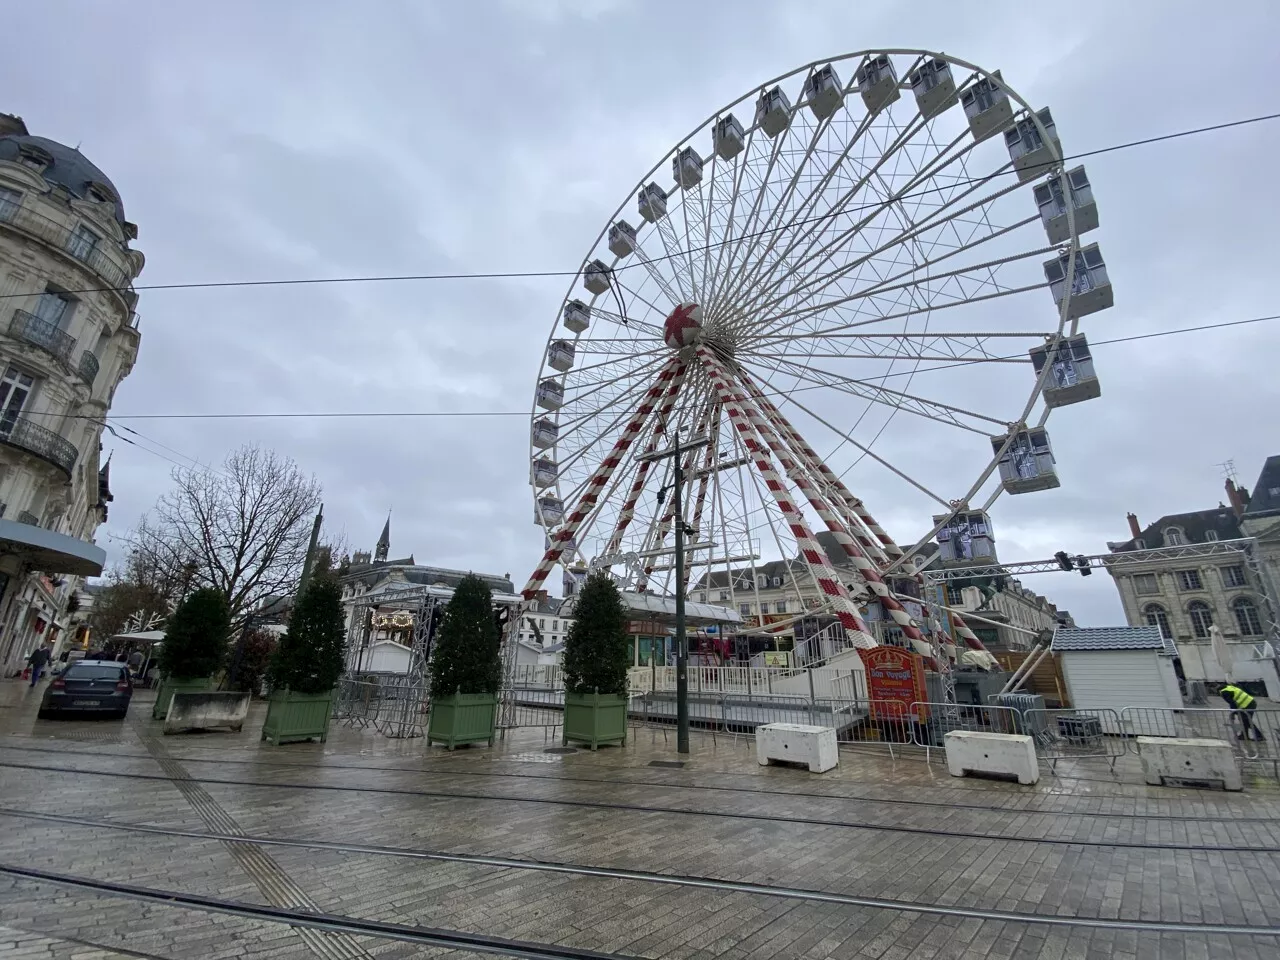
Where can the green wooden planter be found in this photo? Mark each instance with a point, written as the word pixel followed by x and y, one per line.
pixel 463 718
pixel 168 687
pixel 295 717
pixel 595 718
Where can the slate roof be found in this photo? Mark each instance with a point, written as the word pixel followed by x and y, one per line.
pixel 1194 527
pixel 1266 492
pixel 70 168
pixel 1071 639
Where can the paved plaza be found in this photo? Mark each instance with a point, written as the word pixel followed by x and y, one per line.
pixel 883 857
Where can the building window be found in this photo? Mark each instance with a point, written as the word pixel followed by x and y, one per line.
pixel 1140 544
pixel 1146 583
pixel 780 606
pixel 82 242
pixel 542 623
pixel 1201 618
pixel 1211 535
pixel 1233 576
pixel 1173 537
pixel 555 626
pixel 10 202
pixel 724 594
pixel 1157 616
pixel 15 388
pixel 1247 618
pixel 54 307
pixel 955 594
pixel 702 598
pixel 1189 580
pixel 777 581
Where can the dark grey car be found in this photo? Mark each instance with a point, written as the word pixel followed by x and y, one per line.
pixel 91 688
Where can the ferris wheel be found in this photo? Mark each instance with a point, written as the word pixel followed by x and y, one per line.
pixel 859 283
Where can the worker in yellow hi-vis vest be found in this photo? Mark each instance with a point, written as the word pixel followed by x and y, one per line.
pixel 1244 706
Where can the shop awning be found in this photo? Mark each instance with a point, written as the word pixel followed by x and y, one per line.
pixel 50 552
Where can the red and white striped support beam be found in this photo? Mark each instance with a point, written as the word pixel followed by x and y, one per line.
pixel 642 472
pixel 839 495
pixel 889 547
pixel 865 567
pixel 675 367
pixel 810 550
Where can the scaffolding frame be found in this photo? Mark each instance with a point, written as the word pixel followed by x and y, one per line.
pixel 412 697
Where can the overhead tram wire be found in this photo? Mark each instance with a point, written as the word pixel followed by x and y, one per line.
pixel 377 414
pixel 540 274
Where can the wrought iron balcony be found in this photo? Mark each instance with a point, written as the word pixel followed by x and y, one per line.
pixel 41 442
pixel 88 368
pixel 30 519
pixel 42 333
pixel 92 255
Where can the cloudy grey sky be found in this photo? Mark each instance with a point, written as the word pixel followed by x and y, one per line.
pixel 313 139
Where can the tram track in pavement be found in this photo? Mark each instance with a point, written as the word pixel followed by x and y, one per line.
pixel 656 809
pixel 804 894
pixel 663 784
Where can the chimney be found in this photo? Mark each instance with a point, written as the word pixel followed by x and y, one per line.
pixel 10 125
pixel 1133 526
pixel 1236 497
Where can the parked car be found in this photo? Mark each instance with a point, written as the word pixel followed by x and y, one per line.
pixel 89 687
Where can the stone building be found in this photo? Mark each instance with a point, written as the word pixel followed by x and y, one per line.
pixel 68 336
pixel 1207 585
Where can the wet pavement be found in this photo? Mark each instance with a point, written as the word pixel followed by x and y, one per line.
pixel 883 857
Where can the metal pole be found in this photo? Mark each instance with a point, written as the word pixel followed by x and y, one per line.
pixel 682 648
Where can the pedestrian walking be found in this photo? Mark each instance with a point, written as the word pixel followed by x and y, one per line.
pixel 38 660
pixel 1244 706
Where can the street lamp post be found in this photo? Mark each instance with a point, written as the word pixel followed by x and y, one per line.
pixel 682 642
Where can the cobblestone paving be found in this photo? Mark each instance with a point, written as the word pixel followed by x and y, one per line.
pixel 1088 843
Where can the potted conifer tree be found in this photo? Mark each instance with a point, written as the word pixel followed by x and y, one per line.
pixel 306 665
pixel 195 644
pixel 596 658
pixel 466 668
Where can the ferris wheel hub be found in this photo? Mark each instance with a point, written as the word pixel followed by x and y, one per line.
pixel 683 327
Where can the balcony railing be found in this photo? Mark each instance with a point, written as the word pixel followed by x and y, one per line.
pixel 42 442
pixel 42 333
pixel 88 367
pixel 30 519
pixel 57 235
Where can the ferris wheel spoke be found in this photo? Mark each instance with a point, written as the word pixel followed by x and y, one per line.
pixel 751 286
pixel 782 208
pixel 727 230
pixel 750 222
pixel 655 274
pixel 898 399
pixel 813 261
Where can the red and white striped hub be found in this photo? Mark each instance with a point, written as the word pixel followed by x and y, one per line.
pixel 683 327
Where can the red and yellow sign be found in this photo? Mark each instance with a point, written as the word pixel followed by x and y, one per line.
pixel 895 680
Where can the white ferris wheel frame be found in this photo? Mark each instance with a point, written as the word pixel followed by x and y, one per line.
pixel 1066 326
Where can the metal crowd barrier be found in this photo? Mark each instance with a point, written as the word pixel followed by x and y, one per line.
pixel 1068 733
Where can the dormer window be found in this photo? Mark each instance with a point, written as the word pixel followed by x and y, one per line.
pixel 100 192
pixel 1173 537
pixel 33 157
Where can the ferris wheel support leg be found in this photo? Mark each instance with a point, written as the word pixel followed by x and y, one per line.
pixel 810 550
pixel 890 548
pixel 855 518
pixel 599 479
pixel 875 583
pixel 708 462
pixel 642 473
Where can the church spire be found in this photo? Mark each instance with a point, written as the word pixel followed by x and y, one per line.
pixel 384 542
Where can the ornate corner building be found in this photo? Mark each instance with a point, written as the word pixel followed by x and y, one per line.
pixel 68 336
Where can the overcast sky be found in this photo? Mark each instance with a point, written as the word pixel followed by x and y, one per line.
pixel 316 139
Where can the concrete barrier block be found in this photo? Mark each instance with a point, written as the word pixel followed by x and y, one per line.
pixel 994 754
pixel 797 743
pixel 1189 759
pixel 206 710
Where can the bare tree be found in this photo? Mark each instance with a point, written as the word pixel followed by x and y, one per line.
pixel 244 529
